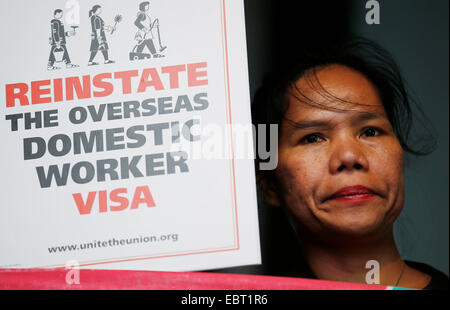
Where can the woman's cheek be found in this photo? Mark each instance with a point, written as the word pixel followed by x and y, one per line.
pixel 390 163
pixel 388 168
pixel 297 176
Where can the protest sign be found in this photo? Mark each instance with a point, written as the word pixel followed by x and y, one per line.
pixel 118 140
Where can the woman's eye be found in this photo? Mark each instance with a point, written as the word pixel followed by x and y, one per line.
pixel 370 132
pixel 310 139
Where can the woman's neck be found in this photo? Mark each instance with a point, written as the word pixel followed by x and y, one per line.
pixel 350 262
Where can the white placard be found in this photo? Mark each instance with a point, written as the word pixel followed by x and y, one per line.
pixel 112 133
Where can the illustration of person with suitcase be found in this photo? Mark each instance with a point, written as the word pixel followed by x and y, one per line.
pixel 98 35
pixel 58 42
pixel 147 31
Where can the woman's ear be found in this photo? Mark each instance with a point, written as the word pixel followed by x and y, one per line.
pixel 269 190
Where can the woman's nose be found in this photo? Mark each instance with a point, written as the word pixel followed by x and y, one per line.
pixel 348 155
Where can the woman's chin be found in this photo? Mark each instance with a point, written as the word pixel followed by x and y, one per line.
pixel 353 225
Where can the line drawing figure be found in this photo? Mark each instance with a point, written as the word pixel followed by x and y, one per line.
pixel 148 30
pixel 98 35
pixel 57 40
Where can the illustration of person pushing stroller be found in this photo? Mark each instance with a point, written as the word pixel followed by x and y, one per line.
pixel 147 31
pixel 58 42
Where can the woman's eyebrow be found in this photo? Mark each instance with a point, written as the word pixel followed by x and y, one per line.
pixel 366 116
pixel 307 124
pixel 321 125
pixel 359 117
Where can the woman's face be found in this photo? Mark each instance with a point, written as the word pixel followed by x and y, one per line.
pixel 98 11
pixel 340 172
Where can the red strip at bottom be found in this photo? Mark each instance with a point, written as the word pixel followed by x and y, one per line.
pixel 89 279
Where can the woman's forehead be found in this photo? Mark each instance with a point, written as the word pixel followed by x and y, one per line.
pixel 335 88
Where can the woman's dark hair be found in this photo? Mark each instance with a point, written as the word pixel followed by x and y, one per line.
pixel 94 9
pixel 142 5
pixel 270 102
pixel 57 11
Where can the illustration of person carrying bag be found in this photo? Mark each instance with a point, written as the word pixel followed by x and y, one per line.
pixel 145 34
pixel 58 42
pixel 98 36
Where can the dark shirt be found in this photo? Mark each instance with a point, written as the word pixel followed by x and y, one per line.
pixel 97 23
pixel 439 281
pixel 58 33
pixel 140 18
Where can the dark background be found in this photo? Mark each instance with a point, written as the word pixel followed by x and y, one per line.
pixel 415 32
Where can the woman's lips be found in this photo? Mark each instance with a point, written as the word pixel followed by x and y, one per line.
pixel 353 195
